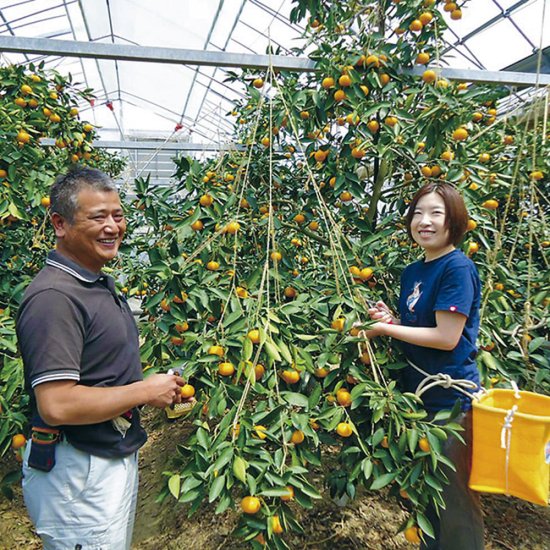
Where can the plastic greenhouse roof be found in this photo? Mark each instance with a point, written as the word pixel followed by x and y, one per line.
pixel 150 99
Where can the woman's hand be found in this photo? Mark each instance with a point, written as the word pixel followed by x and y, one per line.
pixel 444 336
pixel 376 330
pixel 381 313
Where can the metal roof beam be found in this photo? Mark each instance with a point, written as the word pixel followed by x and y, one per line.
pixel 255 30
pixel 10 30
pixel 503 14
pixel 73 32
pixel 529 63
pixel 154 145
pixel 124 52
pixel 213 79
pixel 196 72
pixel 34 13
pixel 89 35
pixel 507 78
pixel 278 16
pixel 225 59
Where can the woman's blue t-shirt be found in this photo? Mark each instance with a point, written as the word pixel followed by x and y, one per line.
pixel 448 283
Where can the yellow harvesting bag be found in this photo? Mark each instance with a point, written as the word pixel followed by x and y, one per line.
pixel 511 444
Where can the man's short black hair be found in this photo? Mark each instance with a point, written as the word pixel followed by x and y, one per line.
pixel 64 192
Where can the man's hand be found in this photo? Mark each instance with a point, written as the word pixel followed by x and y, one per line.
pixel 163 389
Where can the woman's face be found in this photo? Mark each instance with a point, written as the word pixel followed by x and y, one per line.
pixel 428 225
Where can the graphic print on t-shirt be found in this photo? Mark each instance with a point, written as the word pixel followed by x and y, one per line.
pixel 414 296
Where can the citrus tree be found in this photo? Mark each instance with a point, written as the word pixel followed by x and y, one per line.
pixel 257 266
pixel 34 104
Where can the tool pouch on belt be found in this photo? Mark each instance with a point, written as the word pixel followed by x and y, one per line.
pixel 43 443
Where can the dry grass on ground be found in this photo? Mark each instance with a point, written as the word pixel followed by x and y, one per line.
pixel 370 522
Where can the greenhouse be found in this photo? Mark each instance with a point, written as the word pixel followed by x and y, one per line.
pixel 296 253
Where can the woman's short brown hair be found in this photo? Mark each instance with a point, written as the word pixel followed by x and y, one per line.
pixel 456 215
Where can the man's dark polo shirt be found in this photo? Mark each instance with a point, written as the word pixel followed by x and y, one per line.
pixel 72 326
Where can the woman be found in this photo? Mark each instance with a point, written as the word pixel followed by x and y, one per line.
pixel 438 327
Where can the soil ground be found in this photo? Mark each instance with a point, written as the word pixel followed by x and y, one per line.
pixel 370 522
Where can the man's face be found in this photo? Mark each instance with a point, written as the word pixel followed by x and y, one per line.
pixel 95 235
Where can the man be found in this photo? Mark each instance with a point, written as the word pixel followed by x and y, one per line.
pixel 80 351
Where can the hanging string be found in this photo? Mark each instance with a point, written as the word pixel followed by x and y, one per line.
pixel 506 443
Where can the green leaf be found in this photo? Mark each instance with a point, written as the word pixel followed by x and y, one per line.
pixel 10 346
pixel 155 300
pixel 240 467
pixel 174 485
pixel 432 482
pixel 190 496
pixel 223 459
pixel 442 415
pixel 273 317
pixel 190 483
pixel 203 296
pixel 439 433
pixel 367 467
pixel 232 317
pixel 416 472
pixel 280 492
pixel 541 375
pixel 424 524
pixel 202 438
pixel 303 500
pixel 307 488
pixel 272 351
pixel 224 504
pixel 14 211
pixel 378 436
pixel 537 343
pixel 315 396
pixel 382 481
pixel 285 352
pixel 296 399
pixel 337 414
pixel 216 488
pixel 248 349
pixel 251 482
pixel 378 415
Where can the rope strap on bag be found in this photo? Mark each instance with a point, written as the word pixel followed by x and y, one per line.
pixel 506 433
pixel 443 380
pixel 506 440
pixel 461 385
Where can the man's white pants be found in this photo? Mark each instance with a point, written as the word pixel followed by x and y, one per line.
pixel 85 502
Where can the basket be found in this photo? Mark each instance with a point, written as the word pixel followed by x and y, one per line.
pixel 511 444
pixel 179 409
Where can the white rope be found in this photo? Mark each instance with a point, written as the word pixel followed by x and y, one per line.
pixel 507 427
pixel 443 380
pixel 506 440
pixel 516 389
